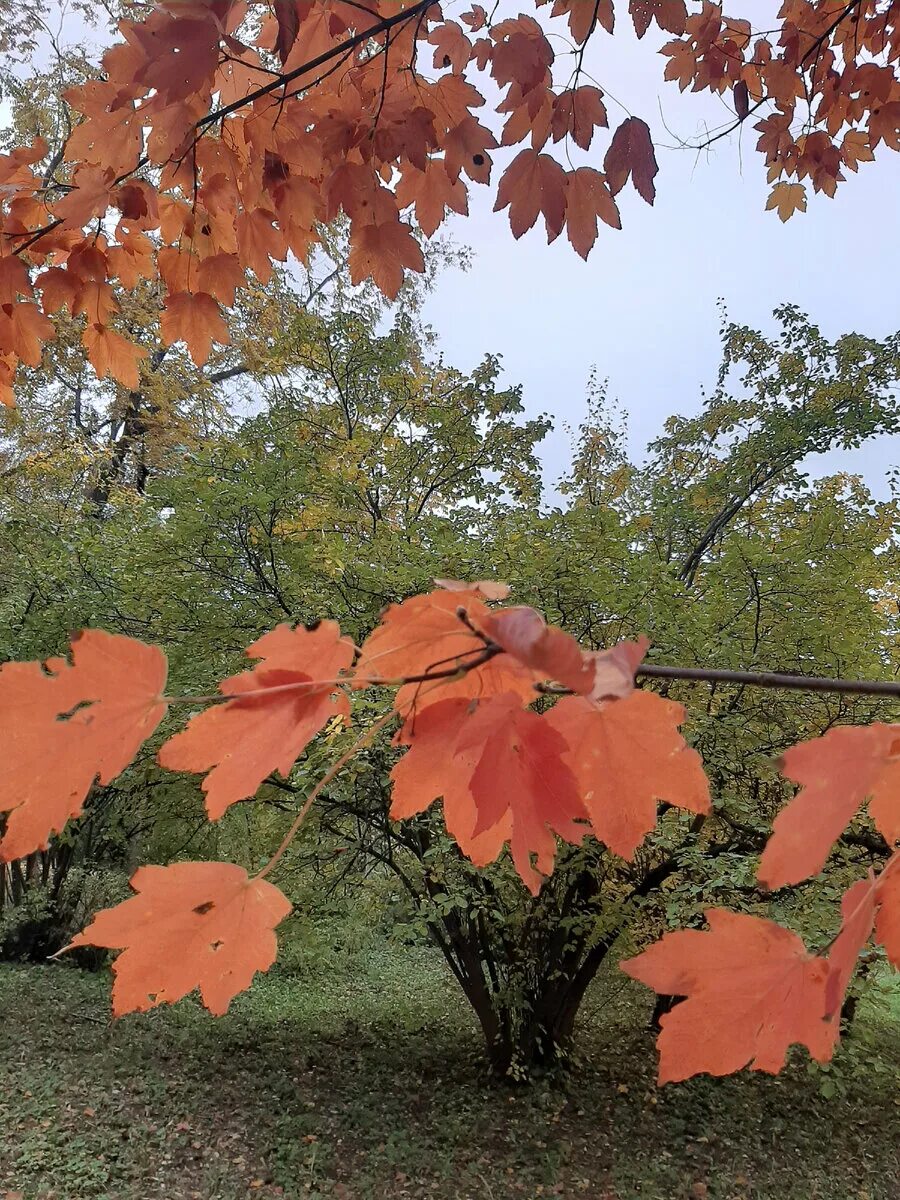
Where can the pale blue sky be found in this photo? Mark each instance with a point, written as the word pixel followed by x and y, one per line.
pixel 643 308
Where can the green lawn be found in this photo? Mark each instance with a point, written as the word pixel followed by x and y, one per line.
pixel 364 1081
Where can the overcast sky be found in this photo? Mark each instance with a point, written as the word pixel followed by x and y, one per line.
pixel 643 308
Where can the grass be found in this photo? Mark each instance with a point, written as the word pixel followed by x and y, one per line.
pixel 364 1081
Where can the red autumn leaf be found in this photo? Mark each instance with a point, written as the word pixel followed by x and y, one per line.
pixel 752 991
pixel 58 289
pixel 548 651
pixel 553 654
pixel 195 320
pixel 670 15
pixel 96 301
pixel 587 198
pixel 23 331
pixel 91 196
pixel 576 113
pixel 631 153
pixel 433 192
pixel 627 755
pixel 585 17
pixel 887 919
pixel 288 17
pixel 66 725
pixel 14 280
pixel 614 669
pixel 221 275
pixel 837 773
pixel 278 708
pixel 435 770
pixel 426 635
pixel 203 925
pixel 382 252
pixel 857 919
pixel 509 761
pixel 111 354
pixel 533 184
pixel 741 100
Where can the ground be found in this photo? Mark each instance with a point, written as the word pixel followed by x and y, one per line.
pixel 362 1079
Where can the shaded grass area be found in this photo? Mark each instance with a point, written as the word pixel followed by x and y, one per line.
pixel 365 1081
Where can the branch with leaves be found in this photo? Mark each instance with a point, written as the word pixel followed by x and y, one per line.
pixel 466 676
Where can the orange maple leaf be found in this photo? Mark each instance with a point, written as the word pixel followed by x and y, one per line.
pixel 203 925
pixel 752 990
pixel 532 184
pixel 381 252
pixel 670 15
pixel 887 919
pixel 787 198
pixel 587 198
pixel 858 908
pixel 627 755
pixel 427 635
pixel 195 320
pixel 837 773
pixel 111 354
pixel 68 724
pixel 23 331
pixel 91 196
pixel 502 764
pixel 278 708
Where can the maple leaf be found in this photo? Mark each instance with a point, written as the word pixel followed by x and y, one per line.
pixel 857 919
pixel 433 192
pixel 631 153
pixel 627 755
pixel 195 320
pixel 221 275
pixel 587 198
pixel 670 15
pixel 288 18
pixel 91 196
pixel 427 635
pixel 837 773
pixel 533 183
pixel 23 331
pixel 14 280
pixel 551 653
pixel 887 919
pixel 67 725
pixel 277 709
pixel 576 113
pixel 58 289
pixel 111 354
pixel 499 763
pixel 752 991
pixel 787 198
pixel 191 925
pixel 381 252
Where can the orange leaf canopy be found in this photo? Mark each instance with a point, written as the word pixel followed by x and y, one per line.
pixel 203 925
pixel 278 708
pixel 626 755
pixel 837 773
pixel 68 724
pixel 752 991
